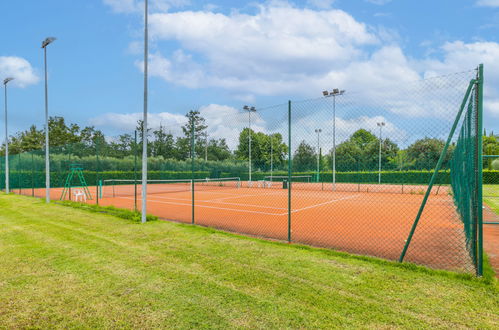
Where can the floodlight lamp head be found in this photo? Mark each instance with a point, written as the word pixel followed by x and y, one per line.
pixel 325 93
pixel 381 124
pixel 245 107
pixel 342 92
pixel 6 80
pixel 336 91
pixel 252 109
pixel 48 41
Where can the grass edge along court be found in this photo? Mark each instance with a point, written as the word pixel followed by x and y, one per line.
pixel 70 268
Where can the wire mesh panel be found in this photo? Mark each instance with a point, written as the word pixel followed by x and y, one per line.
pixel 491 180
pixel 366 172
pixel 256 144
pixel 464 179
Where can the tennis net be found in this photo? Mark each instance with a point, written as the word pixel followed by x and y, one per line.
pixel 294 178
pixel 124 187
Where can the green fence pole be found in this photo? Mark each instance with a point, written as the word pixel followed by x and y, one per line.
pixel 289 172
pixel 479 170
pixel 100 189
pixel 32 175
pixel 437 168
pixel 135 172
pixel 19 173
pixel 97 168
pixel 192 168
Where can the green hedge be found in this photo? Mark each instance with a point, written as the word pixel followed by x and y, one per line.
pixel 28 179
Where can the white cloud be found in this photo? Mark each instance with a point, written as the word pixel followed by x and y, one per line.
pixel 137 6
pixel 488 3
pixel 493 107
pixel 227 122
pixel 223 122
pixel 280 49
pixel 18 68
pixel 305 128
pixel 458 55
pixel 128 122
pixel 285 50
pixel 321 4
pixel 135 47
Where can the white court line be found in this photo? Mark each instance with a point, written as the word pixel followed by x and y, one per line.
pixel 212 207
pixel 248 211
pixel 240 196
pixel 226 203
pixel 325 203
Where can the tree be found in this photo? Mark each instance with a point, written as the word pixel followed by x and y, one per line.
pixel 194 118
pixel 32 139
pixel 218 150
pixel 279 150
pixel 401 161
pixel 163 144
pixel 361 152
pixel 182 149
pixel 304 158
pixel 261 148
pixel 60 134
pixel 198 124
pixel 490 147
pixel 426 152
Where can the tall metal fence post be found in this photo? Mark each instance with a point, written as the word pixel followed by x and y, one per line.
pixel 479 170
pixel 289 172
pixel 97 168
pixel 32 174
pixel 20 173
pixel 192 168
pixel 135 151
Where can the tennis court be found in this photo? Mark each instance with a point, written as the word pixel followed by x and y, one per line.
pixel 363 219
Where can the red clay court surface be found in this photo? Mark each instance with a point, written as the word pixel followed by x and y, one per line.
pixel 374 223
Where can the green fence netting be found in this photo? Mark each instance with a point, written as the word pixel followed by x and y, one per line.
pixel 348 171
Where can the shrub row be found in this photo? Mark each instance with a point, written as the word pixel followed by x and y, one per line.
pixel 36 179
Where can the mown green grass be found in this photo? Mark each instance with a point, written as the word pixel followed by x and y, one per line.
pixel 491 196
pixel 65 267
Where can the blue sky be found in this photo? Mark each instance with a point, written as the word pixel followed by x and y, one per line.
pixel 220 55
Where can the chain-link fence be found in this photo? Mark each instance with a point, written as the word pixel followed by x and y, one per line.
pixel 392 172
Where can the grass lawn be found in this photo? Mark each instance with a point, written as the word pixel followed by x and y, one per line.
pixel 65 267
pixel 491 196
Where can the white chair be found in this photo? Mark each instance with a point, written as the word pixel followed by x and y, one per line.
pixel 263 184
pixel 79 194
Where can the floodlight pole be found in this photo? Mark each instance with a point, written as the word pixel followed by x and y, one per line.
pixel 334 142
pixel 45 43
pixel 380 125
pixel 5 82
pixel 144 127
pixel 318 131
pixel 250 110
pixel 335 92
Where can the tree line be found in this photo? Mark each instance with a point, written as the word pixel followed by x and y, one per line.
pixel 360 152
